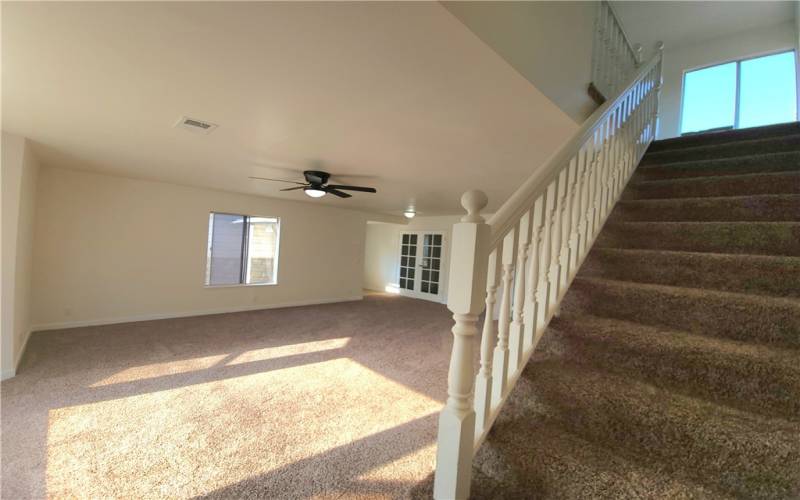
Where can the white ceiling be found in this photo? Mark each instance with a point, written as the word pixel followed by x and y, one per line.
pixel 678 24
pixel 399 93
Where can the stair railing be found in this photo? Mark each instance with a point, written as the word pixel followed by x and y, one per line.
pixel 614 59
pixel 529 253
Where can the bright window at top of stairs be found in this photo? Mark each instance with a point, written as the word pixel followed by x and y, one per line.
pixel 740 94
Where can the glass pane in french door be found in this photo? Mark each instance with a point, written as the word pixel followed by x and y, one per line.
pixel 408 261
pixel 431 263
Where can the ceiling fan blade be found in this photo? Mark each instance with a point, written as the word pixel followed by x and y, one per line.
pixel 336 192
pixel 277 180
pixel 293 188
pixel 353 188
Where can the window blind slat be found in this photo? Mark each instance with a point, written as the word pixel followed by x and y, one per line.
pixel 227 233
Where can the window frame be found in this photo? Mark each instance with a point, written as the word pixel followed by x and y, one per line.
pixel 736 104
pixel 245 244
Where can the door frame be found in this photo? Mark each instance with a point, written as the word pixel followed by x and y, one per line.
pixel 438 297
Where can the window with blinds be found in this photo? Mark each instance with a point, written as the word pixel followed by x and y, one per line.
pixel 242 250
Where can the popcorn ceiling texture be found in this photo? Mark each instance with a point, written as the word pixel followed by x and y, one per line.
pixel 673 370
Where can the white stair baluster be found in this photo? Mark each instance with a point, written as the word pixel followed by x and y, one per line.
pixel 521 270
pixel 555 247
pixel 550 251
pixel 501 354
pixel 483 381
pixel 577 215
pixel 566 219
pixel 533 282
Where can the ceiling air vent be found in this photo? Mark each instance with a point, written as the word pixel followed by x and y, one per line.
pixel 196 126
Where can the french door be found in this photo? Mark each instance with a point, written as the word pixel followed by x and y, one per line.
pixel 421 264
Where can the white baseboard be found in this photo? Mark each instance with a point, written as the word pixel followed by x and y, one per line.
pixel 22 350
pixel 6 374
pixel 151 317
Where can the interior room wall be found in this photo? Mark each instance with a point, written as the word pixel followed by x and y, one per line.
pixel 380 255
pixel 679 60
pixel 549 43
pixel 112 249
pixel 19 174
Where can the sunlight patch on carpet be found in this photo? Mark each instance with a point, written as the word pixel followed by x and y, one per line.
pixel 404 468
pixel 289 350
pixel 198 438
pixel 171 367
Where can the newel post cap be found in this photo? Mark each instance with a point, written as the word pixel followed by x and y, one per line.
pixel 473 202
pixel 659 46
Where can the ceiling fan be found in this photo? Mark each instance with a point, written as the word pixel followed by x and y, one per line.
pixel 316 185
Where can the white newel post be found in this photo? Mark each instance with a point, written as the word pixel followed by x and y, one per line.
pixel 466 291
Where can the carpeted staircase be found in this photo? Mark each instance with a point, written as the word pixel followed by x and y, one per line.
pixel 673 370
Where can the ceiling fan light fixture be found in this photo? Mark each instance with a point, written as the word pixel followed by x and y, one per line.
pixel 314 192
pixel 409 214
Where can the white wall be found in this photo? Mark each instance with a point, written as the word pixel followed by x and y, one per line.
pixel 380 255
pixel 20 171
pixel 719 50
pixel 549 43
pixel 111 249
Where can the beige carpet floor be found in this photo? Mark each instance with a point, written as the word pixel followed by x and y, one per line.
pixel 330 401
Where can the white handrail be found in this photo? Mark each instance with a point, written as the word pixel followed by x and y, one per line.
pixel 506 216
pixel 532 247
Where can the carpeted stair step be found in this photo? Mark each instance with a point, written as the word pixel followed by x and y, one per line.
pixel 753 318
pixel 524 457
pixel 754 274
pixel 758 238
pixel 729 185
pixel 722 137
pixel 767 378
pixel 744 454
pixel 527 458
pixel 757 164
pixel 763 207
pixel 746 148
